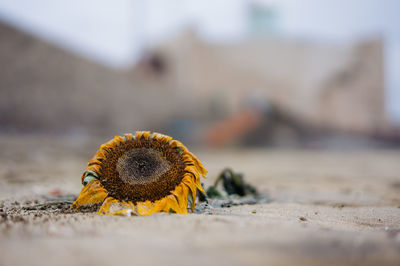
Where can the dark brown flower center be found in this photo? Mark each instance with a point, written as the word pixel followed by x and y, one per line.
pixel 140 170
pixel 142 166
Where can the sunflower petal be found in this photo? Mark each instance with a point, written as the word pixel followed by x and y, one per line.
pixel 92 193
pixel 171 204
pixel 128 136
pixel 106 206
pixel 180 193
pixel 143 209
pixel 188 181
pixel 118 140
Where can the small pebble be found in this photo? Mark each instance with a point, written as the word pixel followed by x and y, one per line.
pixel 254 211
pixel 303 219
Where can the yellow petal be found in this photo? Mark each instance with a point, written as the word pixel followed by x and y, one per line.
pixel 161 137
pixel 171 204
pixel 95 168
pixel 198 185
pixel 196 162
pixel 146 134
pixel 105 208
pixel 192 170
pixel 128 136
pixel 188 181
pixel 183 199
pixel 118 140
pixel 180 193
pixel 159 205
pixel 92 193
pixel 138 134
pixel 143 209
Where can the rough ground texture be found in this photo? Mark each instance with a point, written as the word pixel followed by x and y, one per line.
pixel 327 208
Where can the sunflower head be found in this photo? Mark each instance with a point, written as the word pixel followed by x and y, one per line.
pixel 141 174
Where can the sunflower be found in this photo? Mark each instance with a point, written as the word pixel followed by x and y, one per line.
pixel 141 174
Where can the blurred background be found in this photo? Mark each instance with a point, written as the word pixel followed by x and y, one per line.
pixel 216 73
pixel 302 97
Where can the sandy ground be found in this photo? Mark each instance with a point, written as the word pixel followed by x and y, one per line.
pixel 326 208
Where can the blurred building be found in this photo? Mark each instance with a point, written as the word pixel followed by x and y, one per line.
pixel 185 66
pixel 336 87
pixel 46 89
